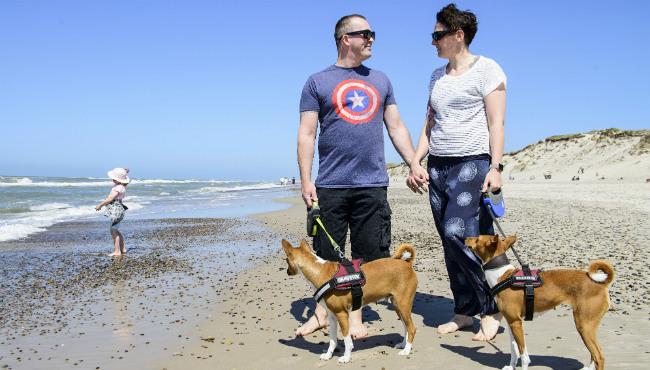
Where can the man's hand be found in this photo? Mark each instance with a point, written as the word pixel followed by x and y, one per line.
pixel 308 193
pixel 418 179
pixel 492 181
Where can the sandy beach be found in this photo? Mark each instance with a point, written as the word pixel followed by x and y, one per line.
pixel 214 294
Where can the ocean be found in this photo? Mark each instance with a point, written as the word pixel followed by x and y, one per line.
pixel 30 205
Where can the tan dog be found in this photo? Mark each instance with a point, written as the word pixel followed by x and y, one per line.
pixel 385 277
pixel 585 291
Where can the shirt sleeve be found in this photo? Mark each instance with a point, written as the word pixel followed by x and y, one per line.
pixel 309 98
pixel 390 95
pixel 493 77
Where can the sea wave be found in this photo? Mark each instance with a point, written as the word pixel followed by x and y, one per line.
pixel 47 215
pixel 14 182
pixel 49 206
pixel 212 189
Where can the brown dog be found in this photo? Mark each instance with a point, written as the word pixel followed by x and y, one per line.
pixel 585 291
pixel 385 277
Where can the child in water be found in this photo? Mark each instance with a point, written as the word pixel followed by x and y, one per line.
pixel 114 208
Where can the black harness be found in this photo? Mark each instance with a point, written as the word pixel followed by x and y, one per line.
pixel 522 278
pixel 348 277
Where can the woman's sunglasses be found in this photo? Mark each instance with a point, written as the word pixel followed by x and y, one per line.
pixel 438 35
pixel 367 34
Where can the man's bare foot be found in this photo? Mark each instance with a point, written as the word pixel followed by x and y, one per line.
pixel 457 323
pixel 489 327
pixel 357 329
pixel 114 254
pixel 314 323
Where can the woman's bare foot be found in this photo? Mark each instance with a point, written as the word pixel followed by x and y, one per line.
pixel 489 327
pixel 314 323
pixel 115 254
pixel 357 329
pixel 457 323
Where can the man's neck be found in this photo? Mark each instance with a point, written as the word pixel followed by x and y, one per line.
pixel 347 62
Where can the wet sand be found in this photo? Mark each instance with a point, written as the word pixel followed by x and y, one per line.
pixel 214 294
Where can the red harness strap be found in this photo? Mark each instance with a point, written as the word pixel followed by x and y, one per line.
pixel 348 277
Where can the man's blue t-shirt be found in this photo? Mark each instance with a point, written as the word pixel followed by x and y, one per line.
pixel 350 103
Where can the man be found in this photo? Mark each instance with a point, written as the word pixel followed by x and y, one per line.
pixel 350 101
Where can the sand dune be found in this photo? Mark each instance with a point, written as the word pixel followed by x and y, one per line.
pixel 603 155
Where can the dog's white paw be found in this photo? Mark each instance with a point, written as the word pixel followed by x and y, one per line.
pixel 407 348
pixel 592 366
pixel 325 356
pixel 344 359
pixel 405 352
pixel 508 368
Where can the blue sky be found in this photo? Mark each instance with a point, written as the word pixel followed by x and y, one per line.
pixel 208 89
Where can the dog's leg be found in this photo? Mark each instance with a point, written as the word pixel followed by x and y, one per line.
pixel 343 318
pixel 587 322
pixel 333 336
pixel 517 331
pixel 403 310
pixel 514 351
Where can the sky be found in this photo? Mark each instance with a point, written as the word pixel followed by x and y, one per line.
pixel 210 89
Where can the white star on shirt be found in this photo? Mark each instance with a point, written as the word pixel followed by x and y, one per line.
pixel 357 101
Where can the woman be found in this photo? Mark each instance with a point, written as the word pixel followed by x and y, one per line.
pixel 115 209
pixel 463 135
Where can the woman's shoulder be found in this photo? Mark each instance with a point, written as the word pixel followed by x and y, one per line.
pixel 438 73
pixel 119 188
pixel 486 63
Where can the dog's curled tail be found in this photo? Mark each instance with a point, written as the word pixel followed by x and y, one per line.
pixel 405 252
pixel 601 272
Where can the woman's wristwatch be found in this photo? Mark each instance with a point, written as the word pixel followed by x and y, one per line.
pixel 497 166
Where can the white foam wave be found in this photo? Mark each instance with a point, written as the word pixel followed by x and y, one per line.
pixel 211 189
pixel 28 182
pixel 47 215
pixel 49 206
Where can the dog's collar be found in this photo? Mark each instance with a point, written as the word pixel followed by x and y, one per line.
pixel 498 261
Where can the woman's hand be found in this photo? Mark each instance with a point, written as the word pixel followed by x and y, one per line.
pixel 492 181
pixel 99 206
pixel 418 179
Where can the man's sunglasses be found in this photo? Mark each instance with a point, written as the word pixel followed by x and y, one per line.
pixel 367 34
pixel 438 35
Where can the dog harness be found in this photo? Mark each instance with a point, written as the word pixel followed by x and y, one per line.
pixel 348 277
pixel 522 278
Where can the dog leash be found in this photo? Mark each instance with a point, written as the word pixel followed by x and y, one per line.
pixel 313 215
pixel 496 207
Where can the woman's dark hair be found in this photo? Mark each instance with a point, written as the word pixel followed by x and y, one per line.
pixel 455 19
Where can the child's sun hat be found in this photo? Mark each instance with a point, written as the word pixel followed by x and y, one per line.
pixel 120 175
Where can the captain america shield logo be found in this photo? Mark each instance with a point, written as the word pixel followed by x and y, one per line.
pixel 355 101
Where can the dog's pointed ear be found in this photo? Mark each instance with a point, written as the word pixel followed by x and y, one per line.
pixel 506 243
pixel 286 246
pixel 304 245
pixel 471 242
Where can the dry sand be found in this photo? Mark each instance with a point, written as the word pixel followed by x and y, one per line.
pixel 559 225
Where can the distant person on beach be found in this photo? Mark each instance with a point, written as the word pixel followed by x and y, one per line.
pixel 463 136
pixel 352 103
pixel 114 208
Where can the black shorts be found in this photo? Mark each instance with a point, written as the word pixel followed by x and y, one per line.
pixel 365 211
